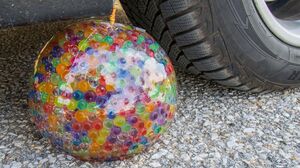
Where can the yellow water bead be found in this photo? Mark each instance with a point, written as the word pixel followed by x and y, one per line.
pixel 48 88
pixel 93 134
pixel 104 45
pixel 119 121
pixel 65 59
pixel 61 69
pixel 52 120
pixel 150 107
pixel 80 116
pixel 83 86
pixel 172 108
pixel 72 105
pixel 110 88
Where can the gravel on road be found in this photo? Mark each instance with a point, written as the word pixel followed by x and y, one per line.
pixel 213 127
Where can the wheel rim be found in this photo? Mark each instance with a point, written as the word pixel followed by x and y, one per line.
pixel 287 30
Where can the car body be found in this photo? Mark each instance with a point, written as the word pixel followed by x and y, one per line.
pixel 20 12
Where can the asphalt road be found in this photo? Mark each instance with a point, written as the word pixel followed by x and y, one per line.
pixel 213 127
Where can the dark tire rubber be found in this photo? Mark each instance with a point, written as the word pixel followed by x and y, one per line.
pixel 225 41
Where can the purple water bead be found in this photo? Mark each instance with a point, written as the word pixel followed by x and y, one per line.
pixel 116 130
pixel 90 96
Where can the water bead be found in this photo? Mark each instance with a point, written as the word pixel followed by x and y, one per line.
pixel 98 37
pixel 83 86
pixel 80 116
pixel 77 95
pixel 90 96
pixel 102 92
pixel 82 104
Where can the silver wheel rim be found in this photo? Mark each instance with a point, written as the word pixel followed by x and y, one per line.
pixel 286 30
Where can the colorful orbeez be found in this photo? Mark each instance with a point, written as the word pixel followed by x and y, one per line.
pixel 102 91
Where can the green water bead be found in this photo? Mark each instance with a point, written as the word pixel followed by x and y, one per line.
pixel 126 127
pixel 82 104
pixel 157 130
pixel 155 92
pixel 92 107
pixel 122 83
pixel 140 108
pixel 34 113
pixel 44 97
pixel 98 37
pixel 163 130
pixel 145 116
pixel 140 39
pixel 85 139
pixel 109 40
pixel 135 71
pixel 55 62
pixel 154 46
pixel 127 44
pixel 83 44
pixel 108 123
pixel 55 79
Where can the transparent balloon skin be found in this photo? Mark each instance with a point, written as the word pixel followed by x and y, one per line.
pixel 102 92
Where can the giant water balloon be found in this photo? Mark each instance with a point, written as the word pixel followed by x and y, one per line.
pixel 102 91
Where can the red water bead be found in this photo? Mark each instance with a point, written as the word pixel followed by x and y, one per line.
pixel 113 47
pixel 131 111
pixel 142 131
pixel 76 126
pixel 150 52
pixel 136 32
pixel 97 125
pixel 71 48
pixel 48 108
pixel 102 80
pixel 124 149
pixel 169 69
pixel 122 113
pixel 66 95
pixel 68 116
pixel 119 41
pixel 126 101
pixel 108 146
pixel 139 125
pixel 94 44
pixel 100 90
pixel 87 126
pixel 134 37
pixel 113 75
pixel 72 60
pixel 170 116
pixel 145 98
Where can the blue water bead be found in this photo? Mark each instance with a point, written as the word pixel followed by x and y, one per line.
pixel 89 51
pixel 101 100
pixel 68 127
pixel 77 95
pixel 143 140
pixel 39 77
pixel 56 51
pixel 112 139
pixel 76 142
pixel 122 60
pixel 111 115
pixel 122 73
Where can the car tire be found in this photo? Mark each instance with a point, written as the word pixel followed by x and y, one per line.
pixel 225 41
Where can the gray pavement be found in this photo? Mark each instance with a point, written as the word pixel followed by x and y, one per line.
pixel 213 127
